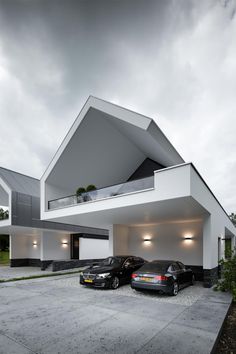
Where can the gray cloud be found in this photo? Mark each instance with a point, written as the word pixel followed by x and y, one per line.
pixel 172 60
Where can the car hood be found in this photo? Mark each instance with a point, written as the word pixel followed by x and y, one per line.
pixel 100 269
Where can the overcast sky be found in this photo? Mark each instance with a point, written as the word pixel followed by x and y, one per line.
pixel 174 61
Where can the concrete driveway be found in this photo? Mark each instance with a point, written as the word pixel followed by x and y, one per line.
pixel 60 316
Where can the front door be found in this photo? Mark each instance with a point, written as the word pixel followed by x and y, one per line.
pixel 74 247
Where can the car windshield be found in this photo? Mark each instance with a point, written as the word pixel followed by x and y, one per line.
pixel 112 261
pixel 154 267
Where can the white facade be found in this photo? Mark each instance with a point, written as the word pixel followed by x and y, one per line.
pixel 93 249
pixel 32 241
pixel 106 146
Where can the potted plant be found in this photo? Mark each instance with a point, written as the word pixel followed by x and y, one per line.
pixel 90 188
pixel 84 194
pixel 79 193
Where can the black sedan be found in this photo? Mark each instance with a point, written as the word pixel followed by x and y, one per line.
pixel 112 272
pixel 164 276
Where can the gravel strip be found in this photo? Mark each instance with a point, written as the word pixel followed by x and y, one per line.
pixel 186 296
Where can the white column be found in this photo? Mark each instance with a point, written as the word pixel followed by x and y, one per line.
pixel 10 246
pixel 118 240
pixel 111 241
pixel 207 243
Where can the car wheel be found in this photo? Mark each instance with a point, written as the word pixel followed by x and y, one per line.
pixel 115 282
pixel 192 280
pixel 175 289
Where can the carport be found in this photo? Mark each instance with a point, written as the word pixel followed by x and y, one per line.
pixel 169 229
pixel 175 228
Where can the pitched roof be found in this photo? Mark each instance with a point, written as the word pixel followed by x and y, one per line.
pixel 18 182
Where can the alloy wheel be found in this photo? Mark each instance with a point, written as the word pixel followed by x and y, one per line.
pixel 175 289
pixel 115 283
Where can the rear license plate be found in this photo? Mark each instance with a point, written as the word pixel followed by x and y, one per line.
pixel 88 281
pixel 146 279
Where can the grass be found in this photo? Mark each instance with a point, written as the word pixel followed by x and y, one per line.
pixel 38 276
pixel 4 257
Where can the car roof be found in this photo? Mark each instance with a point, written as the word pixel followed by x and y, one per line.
pixel 163 261
pixel 122 256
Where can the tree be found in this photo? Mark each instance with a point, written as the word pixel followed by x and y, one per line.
pixel 4 214
pixel 233 218
pixel 4 242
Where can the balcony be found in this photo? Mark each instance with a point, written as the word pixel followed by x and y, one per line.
pixel 103 193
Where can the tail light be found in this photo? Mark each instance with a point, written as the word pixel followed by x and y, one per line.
pixel 134 275
pixel 161 277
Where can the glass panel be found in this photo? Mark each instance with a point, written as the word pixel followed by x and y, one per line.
pixel 107 192
pixel 154 267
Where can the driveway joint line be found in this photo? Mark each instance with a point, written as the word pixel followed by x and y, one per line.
pixel 15 341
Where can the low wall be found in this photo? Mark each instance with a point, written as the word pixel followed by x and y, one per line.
pixel 25 262
pixel 74 263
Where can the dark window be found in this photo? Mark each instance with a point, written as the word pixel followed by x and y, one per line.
pixel 112 260
pixel 170 269
pixel 176 266
pixel 181 265
pixel 155 267
pixel 129 262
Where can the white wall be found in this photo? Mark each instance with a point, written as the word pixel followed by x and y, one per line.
pixel 214 224
pixel 92 248
pixel 167 242
pixel 22 246
pixel 52 247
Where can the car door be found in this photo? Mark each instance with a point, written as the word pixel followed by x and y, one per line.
pixel 179 274
pixel 128 268
pixel 187 273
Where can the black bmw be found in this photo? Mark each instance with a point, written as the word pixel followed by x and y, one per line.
pixel 112 272
pixel 164 276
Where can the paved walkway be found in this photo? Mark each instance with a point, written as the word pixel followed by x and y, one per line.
pixel 58 315
pixel 7 272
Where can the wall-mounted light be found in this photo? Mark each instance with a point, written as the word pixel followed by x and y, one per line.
pixel 64 243
pixel 35 243
pixel 188 238
pixel 147 240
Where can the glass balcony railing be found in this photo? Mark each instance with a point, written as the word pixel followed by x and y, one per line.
pixel 102 193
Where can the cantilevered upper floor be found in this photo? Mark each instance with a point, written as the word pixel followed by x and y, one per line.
pixel 139 176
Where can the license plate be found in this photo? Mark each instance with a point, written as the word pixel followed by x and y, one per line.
pixel 88 281
pixel 146 279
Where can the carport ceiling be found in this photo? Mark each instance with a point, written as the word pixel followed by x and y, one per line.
pixel 174 210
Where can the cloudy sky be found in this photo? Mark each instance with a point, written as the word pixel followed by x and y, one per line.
pixel 172 60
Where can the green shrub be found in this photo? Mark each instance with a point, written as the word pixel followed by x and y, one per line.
pixel 83 193
pixel 228 281
pixel 90 188
pixel 80 191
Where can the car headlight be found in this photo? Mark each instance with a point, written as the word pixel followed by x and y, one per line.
pixel 103 275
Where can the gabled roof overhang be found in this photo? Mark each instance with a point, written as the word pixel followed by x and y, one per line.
pixel 105 146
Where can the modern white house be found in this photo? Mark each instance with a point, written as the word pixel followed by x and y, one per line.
pixel 153 203
pixel 34 242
